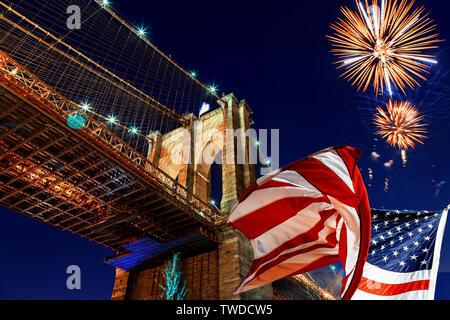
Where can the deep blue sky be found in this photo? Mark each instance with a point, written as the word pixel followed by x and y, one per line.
pixel 275 55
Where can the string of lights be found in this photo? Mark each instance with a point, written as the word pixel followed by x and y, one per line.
pixel 141 32
pixel 120 76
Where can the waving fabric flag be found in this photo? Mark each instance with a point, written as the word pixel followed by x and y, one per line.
pixel 204 109
pixel 305 216
pixel 403 257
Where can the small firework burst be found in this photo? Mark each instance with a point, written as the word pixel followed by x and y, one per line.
pixel 400 125
pixel 384 45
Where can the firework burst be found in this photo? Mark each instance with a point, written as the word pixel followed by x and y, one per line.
pixel 384 46
pixel 401 125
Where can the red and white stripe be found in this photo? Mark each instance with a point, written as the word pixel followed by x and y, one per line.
pixel 380 284
pixel 304 216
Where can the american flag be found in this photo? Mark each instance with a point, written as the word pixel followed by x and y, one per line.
pixel 403 256
pixel 305 216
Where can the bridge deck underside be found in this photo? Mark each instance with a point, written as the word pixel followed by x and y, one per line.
pixel 55 175
pixel 146 253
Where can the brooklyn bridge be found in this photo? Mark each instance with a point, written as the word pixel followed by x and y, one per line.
pixel 89 121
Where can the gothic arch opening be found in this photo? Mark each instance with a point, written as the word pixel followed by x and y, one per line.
pixel 215 178
pixel 208 174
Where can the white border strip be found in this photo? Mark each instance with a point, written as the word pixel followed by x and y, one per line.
pixel 437 253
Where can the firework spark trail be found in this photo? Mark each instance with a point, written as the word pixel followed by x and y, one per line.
pixel 404 159
pixel 400 125
pixel 389 163
pixel 384 46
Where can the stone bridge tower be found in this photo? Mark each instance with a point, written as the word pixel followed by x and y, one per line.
pixel 186 154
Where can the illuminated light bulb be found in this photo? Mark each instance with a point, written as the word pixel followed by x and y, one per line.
pixel 213 89
pixel 193 74
pixel 85 107
pixel 213 202
pixel 134 130
pixel 112 120
pixel 105 2
pixel 257 143
pixel 141 32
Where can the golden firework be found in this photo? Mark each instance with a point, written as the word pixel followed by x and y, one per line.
pixel 400 125
pixel 384 45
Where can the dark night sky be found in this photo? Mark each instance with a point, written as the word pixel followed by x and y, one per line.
pixel 275 55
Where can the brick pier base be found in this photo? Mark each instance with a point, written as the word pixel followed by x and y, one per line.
pixel 211 275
